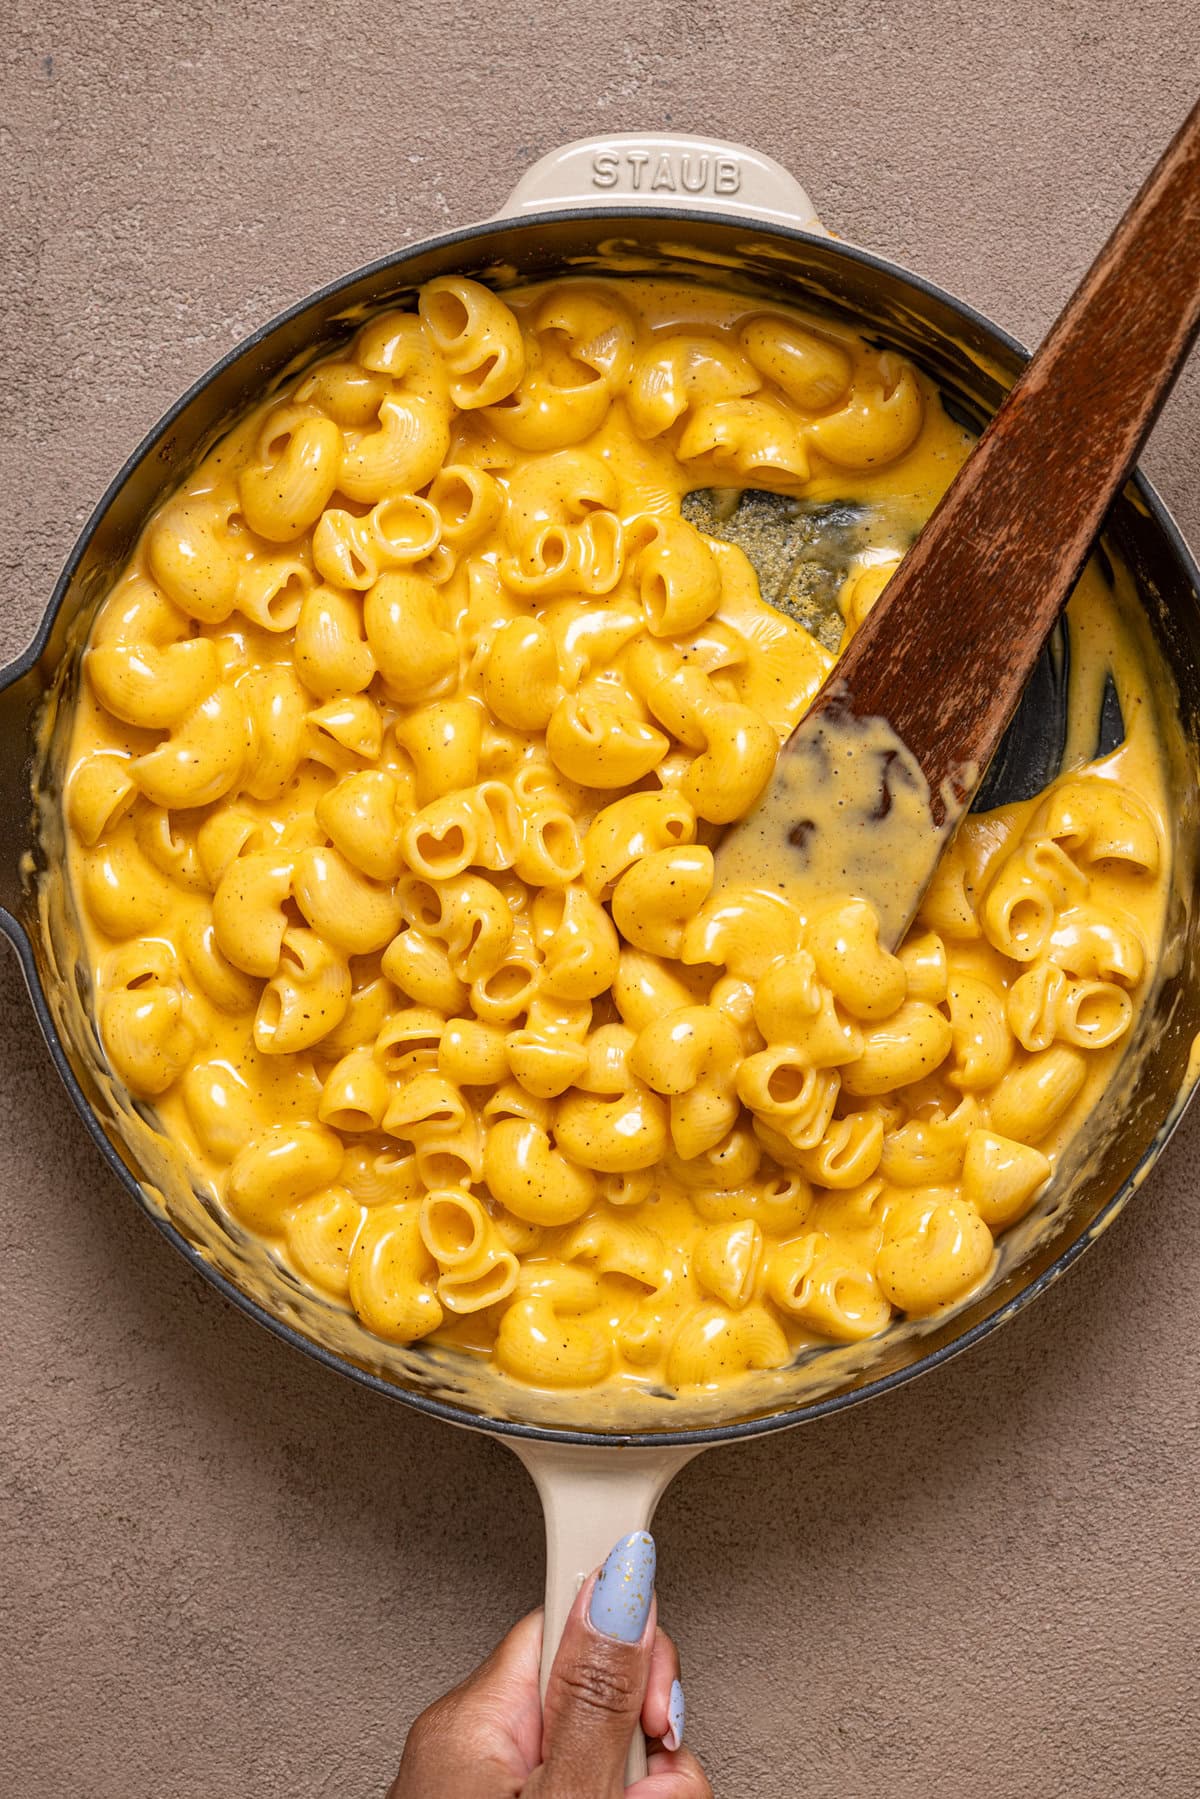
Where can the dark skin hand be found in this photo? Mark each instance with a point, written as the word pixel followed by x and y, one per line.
pixel 491 1738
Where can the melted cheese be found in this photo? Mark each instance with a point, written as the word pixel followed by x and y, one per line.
pixel 584 1103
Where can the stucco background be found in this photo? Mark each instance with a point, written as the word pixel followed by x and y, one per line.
pixel 223 1570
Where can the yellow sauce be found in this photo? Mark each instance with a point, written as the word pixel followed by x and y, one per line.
pixel 825 802
pixel 408 736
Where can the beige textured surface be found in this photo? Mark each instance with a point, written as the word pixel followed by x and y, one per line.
pixel 224 1571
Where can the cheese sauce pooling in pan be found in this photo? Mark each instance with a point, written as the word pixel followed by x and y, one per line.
pixel 406 740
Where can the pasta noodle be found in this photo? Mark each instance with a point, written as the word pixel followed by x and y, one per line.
pixel 397 781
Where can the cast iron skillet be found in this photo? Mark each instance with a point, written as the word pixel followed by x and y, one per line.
pixel 692 210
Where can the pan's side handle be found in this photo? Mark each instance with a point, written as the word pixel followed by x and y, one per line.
pixel 590 1498
pixel 659 168
pixel 21 692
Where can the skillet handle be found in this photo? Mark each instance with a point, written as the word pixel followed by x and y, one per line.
pixel 21 692
pixel 664 169
pixel 590 1498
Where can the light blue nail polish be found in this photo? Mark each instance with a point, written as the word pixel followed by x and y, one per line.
pixel 676 1717
pixel 624 1588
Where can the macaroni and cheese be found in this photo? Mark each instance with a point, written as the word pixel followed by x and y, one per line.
pixel 398 780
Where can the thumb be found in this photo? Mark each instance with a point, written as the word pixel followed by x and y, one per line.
pixel 598 1682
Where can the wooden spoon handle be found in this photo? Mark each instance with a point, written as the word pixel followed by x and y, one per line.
pixel 945 653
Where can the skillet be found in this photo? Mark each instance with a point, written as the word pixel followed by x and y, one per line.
pixel 686 209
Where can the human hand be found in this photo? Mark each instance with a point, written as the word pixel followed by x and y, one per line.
pixel 491 1738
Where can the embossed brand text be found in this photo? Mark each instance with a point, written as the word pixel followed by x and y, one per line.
pixel 666 172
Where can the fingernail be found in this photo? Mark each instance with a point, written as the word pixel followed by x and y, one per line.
pixel 620 1602
pixel 676 1718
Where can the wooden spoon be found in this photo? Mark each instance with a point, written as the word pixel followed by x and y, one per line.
pixel 874 778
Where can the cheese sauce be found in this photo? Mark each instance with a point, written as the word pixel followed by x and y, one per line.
pixel 408 737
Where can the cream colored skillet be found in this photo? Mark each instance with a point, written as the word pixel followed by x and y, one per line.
pixel 680 208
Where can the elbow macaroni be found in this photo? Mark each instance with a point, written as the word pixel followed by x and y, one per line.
pixel 405 744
